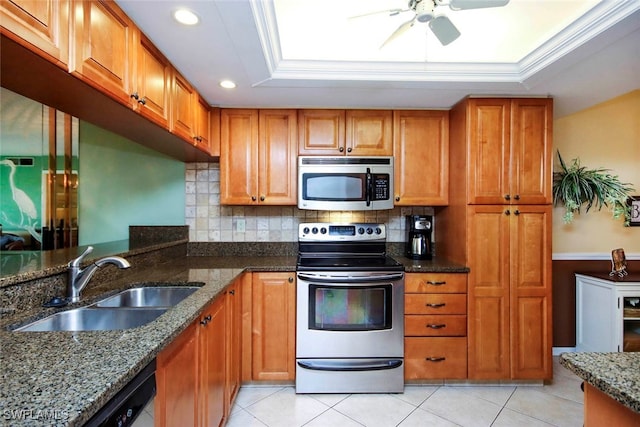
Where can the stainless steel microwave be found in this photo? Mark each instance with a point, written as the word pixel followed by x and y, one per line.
pixel 345 183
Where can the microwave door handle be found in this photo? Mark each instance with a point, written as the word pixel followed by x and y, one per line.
pixel 368 189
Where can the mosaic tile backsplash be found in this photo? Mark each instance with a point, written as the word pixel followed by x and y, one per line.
pixel 208 221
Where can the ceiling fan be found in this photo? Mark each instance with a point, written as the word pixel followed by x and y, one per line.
pixel 441 25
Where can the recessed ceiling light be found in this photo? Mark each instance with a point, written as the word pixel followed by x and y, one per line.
pixel 227 84
pixel 186 17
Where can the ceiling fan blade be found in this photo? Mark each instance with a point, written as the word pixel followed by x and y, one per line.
pixel 399 31
pixel 444 29
pixel 476 4
pixel 391 12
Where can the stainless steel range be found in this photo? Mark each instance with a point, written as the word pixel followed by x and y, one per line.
pixel 350 311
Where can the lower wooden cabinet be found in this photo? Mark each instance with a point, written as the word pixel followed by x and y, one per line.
pixel 435 326
pixel 212 362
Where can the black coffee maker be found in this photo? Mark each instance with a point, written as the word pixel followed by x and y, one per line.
pixel 418 236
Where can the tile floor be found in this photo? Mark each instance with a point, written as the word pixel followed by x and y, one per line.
pixel 556 404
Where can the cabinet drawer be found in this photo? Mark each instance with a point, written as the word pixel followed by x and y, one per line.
pixel 435 358
pixel 417 325
pixel 435 304
pixel 435 283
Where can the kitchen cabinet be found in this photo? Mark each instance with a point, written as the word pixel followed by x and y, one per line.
pixel 103 55
pixel 421 157
pixel 435 326
pixel 607 314
pixel 41 26
pixel 213 344
pixel 498 223
pixel 152 82
pixel 509 292
pixel 273 317
pixel 510 143
pixel 345 132
pixel 258 157
pixel 177 376
pixel 202 129
pixel 233 302
pixel 183 108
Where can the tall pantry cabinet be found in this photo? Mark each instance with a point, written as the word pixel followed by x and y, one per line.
pixel 498 222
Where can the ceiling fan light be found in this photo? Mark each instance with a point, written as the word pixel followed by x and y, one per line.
pixel 476 4
pixel 444 29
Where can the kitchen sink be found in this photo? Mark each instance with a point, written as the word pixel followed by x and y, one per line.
pixel 158 296
pixel 95 319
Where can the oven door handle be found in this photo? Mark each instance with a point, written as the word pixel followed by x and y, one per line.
pixel 350 365
pixel 370 278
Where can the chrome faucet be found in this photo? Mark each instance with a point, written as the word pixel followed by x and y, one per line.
pixel 78 278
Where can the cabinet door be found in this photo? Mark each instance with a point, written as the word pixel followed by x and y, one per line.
pixel 277 148
pixel 238 157
pixel 435 357
pixel 42 26
pixel 530 292
pixel 321 132
pixel 369 133
pixel 273 316
pixel 488 147
pixel 153 82
pixel 233 301
pixel 212 361
pixel 421 156
pixel 531 151
pixel 183 107
pixel 488 287
pixel 202 133
pixel 103 56
pixel 177 381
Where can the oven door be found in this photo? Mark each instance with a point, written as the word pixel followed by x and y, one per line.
pixel 350 314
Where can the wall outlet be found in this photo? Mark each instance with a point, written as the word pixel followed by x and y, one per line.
pixel 240 225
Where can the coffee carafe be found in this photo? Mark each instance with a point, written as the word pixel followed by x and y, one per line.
pixel 418 240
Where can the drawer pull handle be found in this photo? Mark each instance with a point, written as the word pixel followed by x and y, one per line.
pixel 436 283
pixel 437 326
pixel 435 359
pixel 434 305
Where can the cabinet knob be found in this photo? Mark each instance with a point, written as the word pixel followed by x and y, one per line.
pixel 516 212
pixel 349 150
pixel 290 279
pixel 135 96
pixel 253 198
pixel 436 283
pixel 436 326
pixel 205 320
pixel 397 198
pixel 341 149
pixel 262 198
pixel 517 197
pixel 232 292
pixel 435 359
pixel 142 101
pixel 507 212
pixel 507 197
pixel 435 305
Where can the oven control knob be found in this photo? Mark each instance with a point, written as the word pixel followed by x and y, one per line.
pixel 323 230
pixel 314 230
pixel 369 230
pixel 378 230
pixel 305 230
pixel 361 230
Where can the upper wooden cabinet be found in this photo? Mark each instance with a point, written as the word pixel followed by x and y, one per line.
pixel 509 143
pixel 421 158
pixel 258 157
pixel 152 82
pixel 184 101
pixel 203 126
pixel 350 132
pixel 41 26
pixel 104 48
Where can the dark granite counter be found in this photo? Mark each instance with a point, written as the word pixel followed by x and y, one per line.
pixel 63 378
pixel 615 374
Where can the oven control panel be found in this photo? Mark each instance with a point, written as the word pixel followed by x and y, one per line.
pixel 331 232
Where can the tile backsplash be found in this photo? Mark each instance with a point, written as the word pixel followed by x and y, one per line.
pixel 208 221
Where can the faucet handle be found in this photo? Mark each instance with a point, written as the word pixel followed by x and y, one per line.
pixel 76 262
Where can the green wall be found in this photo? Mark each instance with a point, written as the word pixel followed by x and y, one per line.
pixel 123 183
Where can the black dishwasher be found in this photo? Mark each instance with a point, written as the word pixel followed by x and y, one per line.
pixel 124 407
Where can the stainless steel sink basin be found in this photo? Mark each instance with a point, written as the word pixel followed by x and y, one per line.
pixel 95 319
pixel 159 296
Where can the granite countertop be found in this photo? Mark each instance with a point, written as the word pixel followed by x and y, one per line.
pixel 615 374
pixel 63 378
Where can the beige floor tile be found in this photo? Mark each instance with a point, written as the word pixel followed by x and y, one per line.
pixel 509 418
pixel 462 408
pixel 416 394
pixel 143 420
pixel 375 410
pixel 494 394
pixel 286 409
pixel 241 418
pixel 332 418
pixel 422 418
pixel 567 387
pixel 546 406
pixel 329 399
pixel 248 395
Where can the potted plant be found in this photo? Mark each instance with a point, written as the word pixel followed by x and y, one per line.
pixel 575 186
